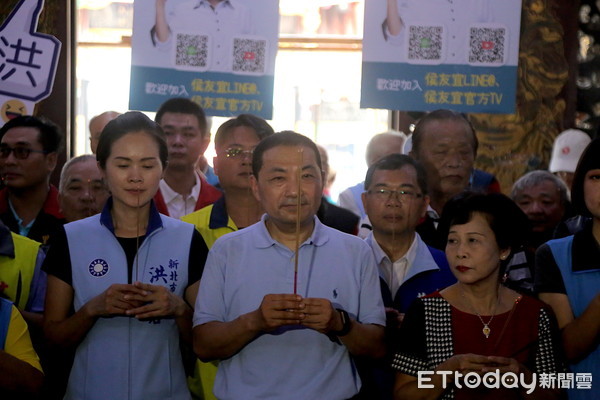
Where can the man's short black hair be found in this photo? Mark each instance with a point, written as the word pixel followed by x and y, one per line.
pixel 183 106
pixel 284 138
pixel 49 136
pixel 394 162
pixel 260 126
pixel 440 115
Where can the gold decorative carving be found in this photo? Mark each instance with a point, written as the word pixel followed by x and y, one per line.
pixel 511 145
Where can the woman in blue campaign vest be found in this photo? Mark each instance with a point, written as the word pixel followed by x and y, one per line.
pixel 567 277
pixel 120 283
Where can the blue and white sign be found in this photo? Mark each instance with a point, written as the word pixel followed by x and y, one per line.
pixel 422 55
pixel 220 54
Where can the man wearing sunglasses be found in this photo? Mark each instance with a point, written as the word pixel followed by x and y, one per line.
pixel 28 154
pixel 395 200
pixel 183 190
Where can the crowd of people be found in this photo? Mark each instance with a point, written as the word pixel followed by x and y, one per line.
pixel 136 278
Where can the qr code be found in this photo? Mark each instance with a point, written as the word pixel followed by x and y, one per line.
pixel 249 56
pixel 425 43
pixel 486 45
pixel 191 51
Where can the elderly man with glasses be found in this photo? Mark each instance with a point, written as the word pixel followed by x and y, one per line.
pixel 395 200
pixel 29 149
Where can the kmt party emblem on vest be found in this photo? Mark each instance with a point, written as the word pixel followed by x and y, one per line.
pixel 98 267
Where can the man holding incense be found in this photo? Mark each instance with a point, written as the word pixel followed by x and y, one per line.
pixel 395 199
pixel 235 141
pixel 286 301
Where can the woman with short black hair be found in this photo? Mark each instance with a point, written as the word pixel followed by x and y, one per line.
pixel 477 325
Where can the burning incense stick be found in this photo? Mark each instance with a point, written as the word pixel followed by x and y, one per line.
pixel 137 235
pixel 298 206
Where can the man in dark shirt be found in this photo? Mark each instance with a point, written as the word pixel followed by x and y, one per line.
pixel 28 154
pixel 330 214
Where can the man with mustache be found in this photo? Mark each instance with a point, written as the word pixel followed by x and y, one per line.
pixel 281 332
pixel 395 199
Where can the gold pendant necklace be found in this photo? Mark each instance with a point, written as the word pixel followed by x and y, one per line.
pixel 486 326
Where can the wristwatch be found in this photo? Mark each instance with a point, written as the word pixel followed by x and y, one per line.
pixel 346 323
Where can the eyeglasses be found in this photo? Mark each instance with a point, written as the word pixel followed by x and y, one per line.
pixel 21 153
pixel 401 195
pixel 233 152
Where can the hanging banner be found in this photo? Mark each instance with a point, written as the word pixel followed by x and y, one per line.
pixel 422 55
pixel 28 61
pixel 218 53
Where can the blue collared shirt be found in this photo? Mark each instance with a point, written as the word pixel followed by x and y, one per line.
pixel 244 266
pixel 23 229
pixel 427 272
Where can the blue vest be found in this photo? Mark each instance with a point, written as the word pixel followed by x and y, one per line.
pixel 377 376
pixel 121 357
pixel 581 287
pixel 421 284
pixel 5 314
pixel 480 180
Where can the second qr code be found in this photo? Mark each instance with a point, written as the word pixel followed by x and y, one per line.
pixel 487 45
pixel 249 56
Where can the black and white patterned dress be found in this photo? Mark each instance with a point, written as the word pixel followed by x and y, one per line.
pixel 433 331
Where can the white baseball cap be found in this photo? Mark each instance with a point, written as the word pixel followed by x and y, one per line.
pixel 567 149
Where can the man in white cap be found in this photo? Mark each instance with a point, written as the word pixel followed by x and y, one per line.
pixel 568 147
